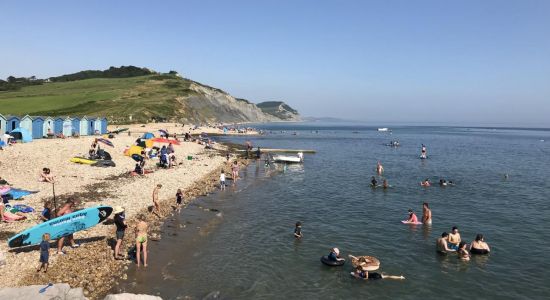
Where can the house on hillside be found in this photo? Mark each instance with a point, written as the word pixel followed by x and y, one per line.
pixel 58 125
pixel 34 125
pixel 48 126
pixel 75 123
pixel 84 125
pixel 3 123
pixel 68 126
pixel 12 123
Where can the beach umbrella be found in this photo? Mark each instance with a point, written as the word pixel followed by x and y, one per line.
pixel 147 136
pixel 167 141
pixel 164 132
pixel 105 141
pixel 133 150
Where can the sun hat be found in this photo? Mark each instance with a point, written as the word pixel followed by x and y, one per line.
pixel 118 210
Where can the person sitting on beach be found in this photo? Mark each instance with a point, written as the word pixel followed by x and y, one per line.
pixel 426 182
pixel 426 214
pixel 170 149
pixel 379 168
pixel 46 176
pixel 362 273
pixel 172 161
pixel 46 214
pixel 120 223
pixel 442 244
pixel 334 255
pixel 138 169
pixel 373 182
pixel 413 219
pixel 479 246
pixel 463 253
pixel 141 240
pixel 298 230
pixel 454 238
pixel 92 150
pixel 65 210
pixel 385 184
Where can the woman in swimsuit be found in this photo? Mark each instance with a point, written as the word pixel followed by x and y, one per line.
pixel 379 168
pixel 479 246
pixel 362 273
pixel 141 240
pixel 412 217
pixel 463 253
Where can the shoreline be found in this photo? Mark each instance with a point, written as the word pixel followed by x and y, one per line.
pixel 92 266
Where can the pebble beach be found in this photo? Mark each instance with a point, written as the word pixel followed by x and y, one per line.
pixel 92 266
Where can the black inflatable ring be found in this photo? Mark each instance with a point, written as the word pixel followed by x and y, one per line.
pixel 332 263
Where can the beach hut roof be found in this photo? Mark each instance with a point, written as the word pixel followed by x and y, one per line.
pixel 2 117
pixel 84 117
pixel 11 117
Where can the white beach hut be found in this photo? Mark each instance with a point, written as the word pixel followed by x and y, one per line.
pixel 48 126
pixel 3 124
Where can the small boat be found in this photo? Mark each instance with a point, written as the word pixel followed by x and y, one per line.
pixel 288 158
pixel 384 129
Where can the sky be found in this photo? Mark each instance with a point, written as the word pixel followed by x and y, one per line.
pixel 420 62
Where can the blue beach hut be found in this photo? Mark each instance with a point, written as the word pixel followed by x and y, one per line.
pixel 84 122
pixel 21 134
pixel 48 126
pixel 3 123
pixel 34 125
pixel 68 126
pixel 75 124
pixel 58 125
pixel 12 123
pixel 103 125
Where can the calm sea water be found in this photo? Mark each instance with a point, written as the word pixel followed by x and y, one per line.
pixel 244 248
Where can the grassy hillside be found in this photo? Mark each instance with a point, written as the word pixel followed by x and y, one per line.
pixel 142 97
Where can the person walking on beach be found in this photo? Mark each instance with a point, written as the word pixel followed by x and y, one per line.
pixel 179 200
pixel 65 210
pixel 141 240
pixel 120 223
pixel 235 171
pixel 379 168
pixel 426 214
pixel 44 253
pixel 222 181
pixel 156 205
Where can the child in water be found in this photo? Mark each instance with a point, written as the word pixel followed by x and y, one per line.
pixel 222 180
pixel 298 230
pixel 44 252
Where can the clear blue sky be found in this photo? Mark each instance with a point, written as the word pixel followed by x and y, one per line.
pixel 459 62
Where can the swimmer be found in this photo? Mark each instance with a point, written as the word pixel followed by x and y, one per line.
pixel 454 238
pixel 373 182
pixel 385 184
pixel 334 255
pixel 379 168
pixel 423 152
pixel 426 183
pixel 362 273
pixel 479 246
pixel 442 182
pixel 463 253
pixel 426 214
pixel 298 230
pixel 412 217
pixel 441 244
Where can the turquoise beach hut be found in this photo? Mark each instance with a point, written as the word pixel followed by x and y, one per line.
pixel 34 125
pixel 12 123
pixel 97 126
pixel 103 125
pixel 68 126
pixel 84 123
pixel 21 134
pixel 48 126
pixel 75 124
pixel 58 125
pixel 3 123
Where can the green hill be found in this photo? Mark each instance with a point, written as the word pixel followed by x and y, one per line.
pixel 130 99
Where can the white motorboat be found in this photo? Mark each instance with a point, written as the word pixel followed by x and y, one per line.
pixel 288 158
pixel 384 129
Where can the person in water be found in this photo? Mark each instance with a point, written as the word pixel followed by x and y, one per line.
pixel 442 244
pixel 379 168
pixel 426 214
pixel 423 151
pixel 334 255
pixel 362 273
pixel 442 182
pixel 479 246
pixel 412 217
pixel 454 238
pixel 385 184
pixel 141 240
pixel 426 182
pixel 463 253
pixel 298 230
pixel 373 182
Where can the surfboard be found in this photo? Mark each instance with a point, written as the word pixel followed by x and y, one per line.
pixel 61 226
pixel 411 223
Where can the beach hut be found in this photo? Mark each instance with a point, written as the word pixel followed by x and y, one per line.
pixel 48 126
pixel 68 126
pixel 97 125
pixel 84 124
pixel 103 125
pixel 12 123
pixel 75 124
pixel 58 125
pixel 21 134
pixel 3 123
pixel 34 125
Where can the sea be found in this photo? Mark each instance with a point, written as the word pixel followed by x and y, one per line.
pixel 239 243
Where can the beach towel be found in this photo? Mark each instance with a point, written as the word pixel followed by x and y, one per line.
pixel 23 208
pixel 11 217
pixel 19 193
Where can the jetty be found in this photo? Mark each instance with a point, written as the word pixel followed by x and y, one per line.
pixel 268 150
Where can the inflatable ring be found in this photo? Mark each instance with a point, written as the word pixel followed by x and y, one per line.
pixel 332 263
pixel 370 263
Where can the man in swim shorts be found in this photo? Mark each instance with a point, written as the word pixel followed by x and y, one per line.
pixel 441 244
pixel 454 238
pixel 65 210
pixel 426 214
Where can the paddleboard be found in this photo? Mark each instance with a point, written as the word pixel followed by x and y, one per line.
pixel 411 223
pixel 62 226
pixel 83 160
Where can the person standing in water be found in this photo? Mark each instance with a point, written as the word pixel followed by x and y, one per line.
pixel 454 238
pixel 156 205
pixel 379 168
pixel 222 180
pixel 235 171
pixel 426 214
pixel 179 200
pixel 298 230
pixel 441 244
pixel 141 240
pixel 423 152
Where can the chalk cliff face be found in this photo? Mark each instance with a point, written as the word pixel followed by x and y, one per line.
pixel 279 110
pixel 206 104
